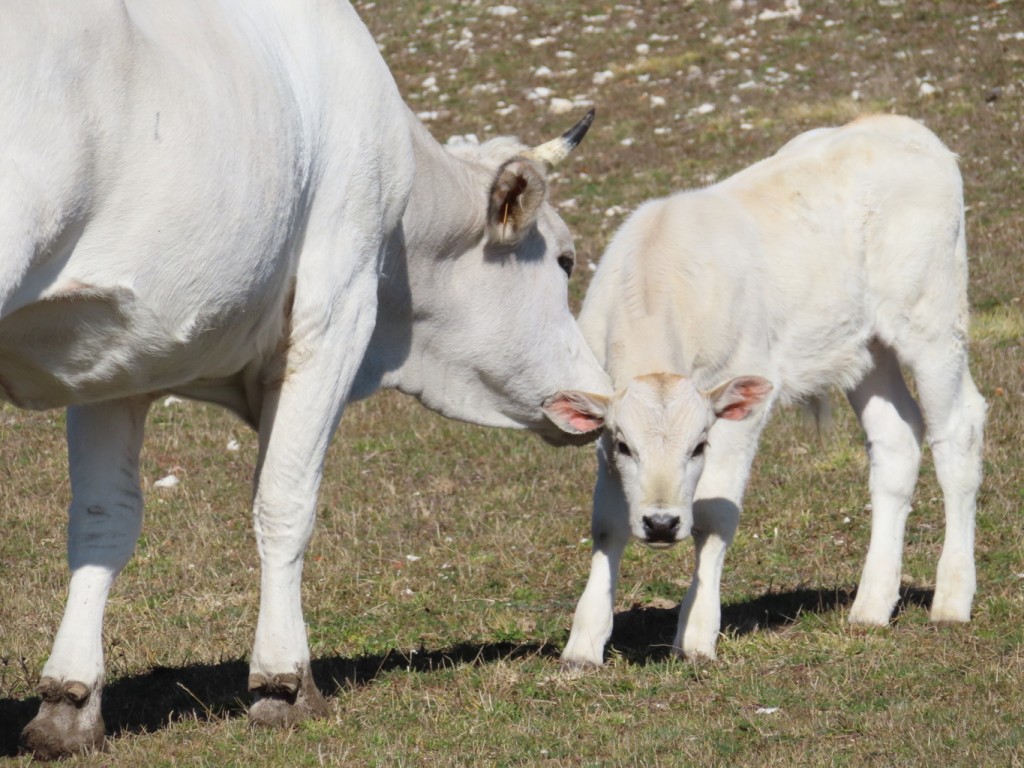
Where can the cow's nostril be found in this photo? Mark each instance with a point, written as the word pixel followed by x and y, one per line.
pixel 661 527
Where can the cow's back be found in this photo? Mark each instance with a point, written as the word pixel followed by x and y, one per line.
pixel 163 165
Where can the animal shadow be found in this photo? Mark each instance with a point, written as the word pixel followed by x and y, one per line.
pixel 643 634
pixel 149 701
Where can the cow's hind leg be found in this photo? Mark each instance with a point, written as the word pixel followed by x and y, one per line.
pixel 104 522
pixel 592 621
pixel 893 427
pixel 954 413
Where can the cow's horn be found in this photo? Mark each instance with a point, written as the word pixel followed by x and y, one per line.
pixel 555 151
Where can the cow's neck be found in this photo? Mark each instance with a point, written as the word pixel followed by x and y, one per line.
pixel 444 218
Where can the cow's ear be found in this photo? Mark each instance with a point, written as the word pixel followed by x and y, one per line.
pixel 577 413
pixel 737 398
pixel 517 193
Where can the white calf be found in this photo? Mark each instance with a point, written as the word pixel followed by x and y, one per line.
pixel 833 262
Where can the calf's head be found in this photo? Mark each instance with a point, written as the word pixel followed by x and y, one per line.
pixel 655 441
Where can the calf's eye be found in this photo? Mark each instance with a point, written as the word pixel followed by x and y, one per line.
pixel 623 449
pixel 699 450
pixel 566 262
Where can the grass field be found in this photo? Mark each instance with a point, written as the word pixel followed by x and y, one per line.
pixel 440 585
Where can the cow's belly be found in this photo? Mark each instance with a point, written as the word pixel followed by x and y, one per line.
pixel 92 344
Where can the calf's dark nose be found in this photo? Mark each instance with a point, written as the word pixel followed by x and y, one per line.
pixel 661 527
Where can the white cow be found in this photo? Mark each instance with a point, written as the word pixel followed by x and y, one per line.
pixel 228 200
pixel 829 264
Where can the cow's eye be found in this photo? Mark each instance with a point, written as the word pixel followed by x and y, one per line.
pixel 699 450
pixel 622 449
pixel 566 262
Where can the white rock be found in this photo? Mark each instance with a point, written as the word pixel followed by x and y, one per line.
pixel 561 106
pixel 171 481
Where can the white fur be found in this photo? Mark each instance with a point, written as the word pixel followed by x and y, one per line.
pixel 830 263
pixel 228 200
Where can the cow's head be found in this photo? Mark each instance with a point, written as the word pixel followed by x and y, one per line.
pixel 489 261
pixel 655 440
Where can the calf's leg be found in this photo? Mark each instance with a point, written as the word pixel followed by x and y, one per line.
pixel 104 522
pixel 592 622
pixel 716 516
pixel 955 416
pixel 894 428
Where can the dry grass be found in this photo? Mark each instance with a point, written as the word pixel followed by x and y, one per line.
pixel 447 657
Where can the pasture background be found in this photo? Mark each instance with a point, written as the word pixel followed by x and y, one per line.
pixel 441 582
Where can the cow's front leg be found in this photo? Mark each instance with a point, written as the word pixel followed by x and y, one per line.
pixel 291 461
pixel 104 522
pixel 296 425
pixel 279 675
pixel 592 622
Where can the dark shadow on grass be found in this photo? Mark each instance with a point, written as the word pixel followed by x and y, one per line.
pixel 147 702
pixel 335 673
pixel 643 634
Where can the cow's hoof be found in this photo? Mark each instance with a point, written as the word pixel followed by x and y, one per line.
pixel 284 701
pixel 69 721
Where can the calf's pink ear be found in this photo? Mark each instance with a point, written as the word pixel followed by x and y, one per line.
pixel 575 412
pixel 737 398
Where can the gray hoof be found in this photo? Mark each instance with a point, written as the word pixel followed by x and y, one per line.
pixel 69 721
pixel 285 700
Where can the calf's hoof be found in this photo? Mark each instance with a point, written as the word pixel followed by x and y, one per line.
pixel 695 650
pixel 575 667
pixel 68 723
pixel 946 617
pixel 285 700
pixel 867 615
pixel 947 609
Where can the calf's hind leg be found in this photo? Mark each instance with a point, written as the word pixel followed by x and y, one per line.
pixel 893 427
pixel 954 412
pixel 104 523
